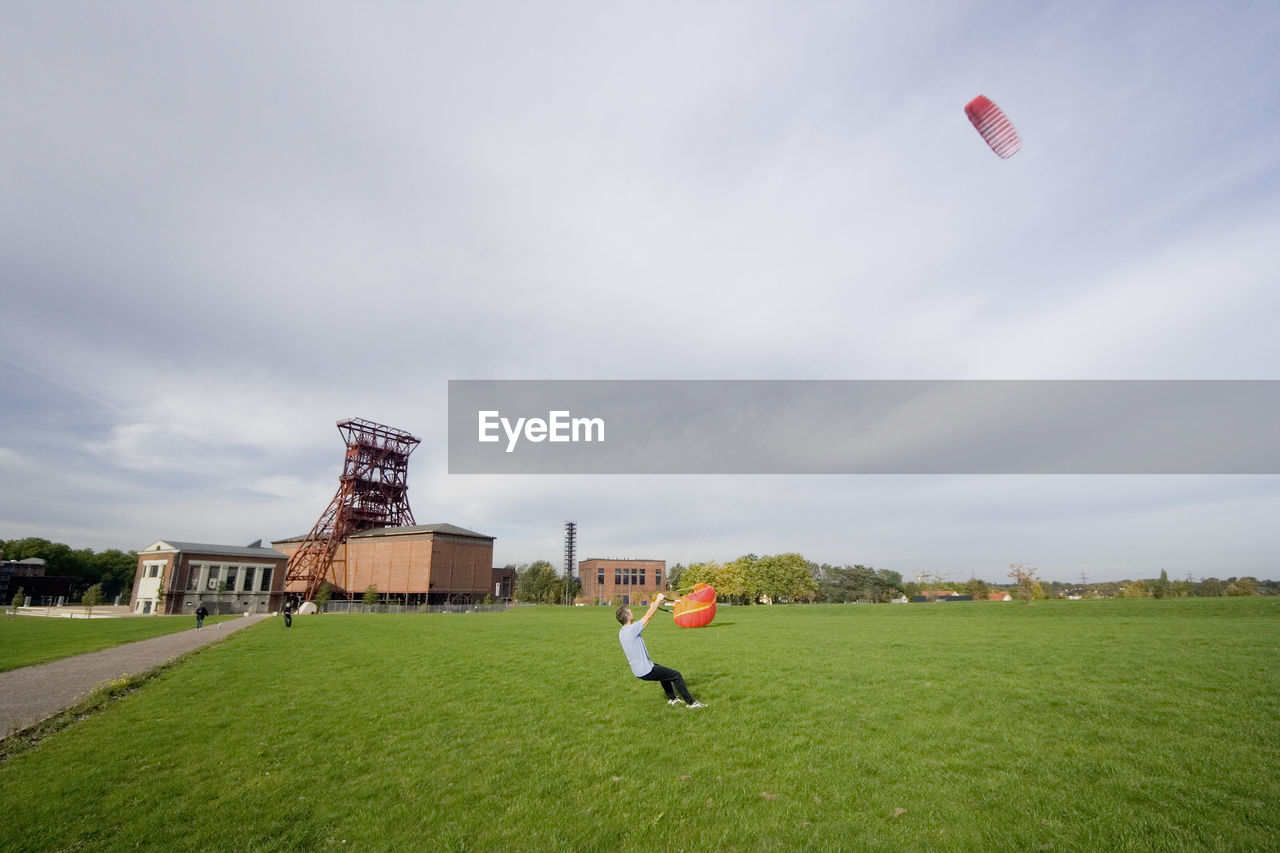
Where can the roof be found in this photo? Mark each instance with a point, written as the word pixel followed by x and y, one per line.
pixel 407 530
pixel 411 530
pixel 165 545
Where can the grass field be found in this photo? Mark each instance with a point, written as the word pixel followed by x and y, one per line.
pixel 29 640
pixel 1107 725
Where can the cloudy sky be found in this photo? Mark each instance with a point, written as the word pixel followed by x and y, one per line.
pixel 224 227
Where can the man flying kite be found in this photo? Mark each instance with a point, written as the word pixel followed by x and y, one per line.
pixel 638 656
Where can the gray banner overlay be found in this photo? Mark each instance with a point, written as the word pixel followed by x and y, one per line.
pixel 864 427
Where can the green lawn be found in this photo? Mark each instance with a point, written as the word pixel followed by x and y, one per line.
pixel 1108 725
pixel 29 640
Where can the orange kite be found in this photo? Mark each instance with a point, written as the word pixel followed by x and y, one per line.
pixel 698 608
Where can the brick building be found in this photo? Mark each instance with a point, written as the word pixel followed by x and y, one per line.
pixel 176 577
pixel 504 582
pixel 37 588
pixel 621 581
pixel 419 564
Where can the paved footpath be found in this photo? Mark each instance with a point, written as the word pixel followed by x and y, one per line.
pixel 34 693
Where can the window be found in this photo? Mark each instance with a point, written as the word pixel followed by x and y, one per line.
pixel 600 577
pixel 265 585
pixel 617 577
pixel 642 574
pixel 231 578
pixel 153 571
pixel 213 577
pixel 248 579
pixel 193 577
pixel 657 577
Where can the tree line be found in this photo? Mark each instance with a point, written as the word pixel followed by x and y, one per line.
pixel 539 583
pixel 112 569
pixel 785 578
pixel 752 579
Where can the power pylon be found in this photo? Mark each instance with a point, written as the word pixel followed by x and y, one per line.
pixel 373 491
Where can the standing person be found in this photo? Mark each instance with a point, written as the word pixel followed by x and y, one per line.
pixel 201 612
pixel 638 656
pixel 288 614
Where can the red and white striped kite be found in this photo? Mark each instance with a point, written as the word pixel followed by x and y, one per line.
pixel 994 126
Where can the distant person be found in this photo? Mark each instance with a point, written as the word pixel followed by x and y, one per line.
pixel 638 656
pixel 288 614
pixel 201 612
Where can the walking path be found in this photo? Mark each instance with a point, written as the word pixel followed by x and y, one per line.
pixel 35 693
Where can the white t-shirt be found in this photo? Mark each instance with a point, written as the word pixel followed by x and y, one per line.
pixel 633 646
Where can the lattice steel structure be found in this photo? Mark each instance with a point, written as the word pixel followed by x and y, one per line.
pixel 373 491
pixel 570 547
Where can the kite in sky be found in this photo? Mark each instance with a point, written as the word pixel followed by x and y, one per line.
pixel 994 126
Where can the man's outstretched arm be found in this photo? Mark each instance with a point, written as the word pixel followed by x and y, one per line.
pixel 653 608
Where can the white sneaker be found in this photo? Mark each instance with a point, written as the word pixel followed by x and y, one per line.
pixel 697 704
pixel 673 701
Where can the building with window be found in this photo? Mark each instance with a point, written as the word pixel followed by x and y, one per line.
pixel 177 577
pixel 504 581
pixel 416 564
pixel 621 581
pixel 37 588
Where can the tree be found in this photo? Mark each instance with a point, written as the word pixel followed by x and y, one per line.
pixel 857 583
pixel 1162 588
pixel 977 588
pixel 112 568
pixel 886 584
pixel 17 602
pixel 160 592
pixel 935 580
pixel 371 595
pixel 1243 586
pixel 1209 587
pixel 696 573
pixel 218 593
pixel 537 582
pixel 737 581
pixel 567 589
pixel 673 576
pixel 1025 577
pixel 841 583
pixel 785 577
pixel 1133 589
pixel 323 594
pixel 92 598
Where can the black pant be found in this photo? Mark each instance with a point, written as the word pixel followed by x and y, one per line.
pixel 672 682
pixel 288 620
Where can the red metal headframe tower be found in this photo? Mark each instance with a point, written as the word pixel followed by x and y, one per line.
pixel 373 491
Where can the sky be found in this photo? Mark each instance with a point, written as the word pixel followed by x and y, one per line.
pixel 226 227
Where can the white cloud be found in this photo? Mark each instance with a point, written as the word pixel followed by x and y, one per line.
pixel 220 236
